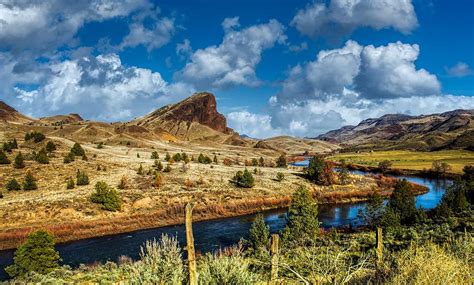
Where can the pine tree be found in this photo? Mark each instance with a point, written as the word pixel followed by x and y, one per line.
pixel 50 147
pixel 36 254
pixel 243 179
pixel 262 162
pixel 402 202
pixel 30 182
pixel 3 158
pixel 167 157
pixel 281 161
pixel 374 209
pixel 154 155
pixel 177 157
pixel 81 178
pixel 77 150
pixel 259 234
pixel 215 159
pixel 167 168
pixel 106 196
pixel 140 170
pixel 302 220
pixel 70 183
pixel 69 158
pixel 42 157
pixel 19 161
pixel 320 171
pixel 13 185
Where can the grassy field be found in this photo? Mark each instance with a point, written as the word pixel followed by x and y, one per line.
pixel 417 160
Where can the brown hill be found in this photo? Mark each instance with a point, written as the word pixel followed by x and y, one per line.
pixel 61 119
pixel 9 114
pixel 452 129
pixel 194 118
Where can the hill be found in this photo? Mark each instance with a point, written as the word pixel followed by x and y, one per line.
pixel 449 130
pixel 10 114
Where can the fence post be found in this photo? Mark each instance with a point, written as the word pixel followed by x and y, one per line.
pixel 190 245
pixel 379 249
pixel 275 252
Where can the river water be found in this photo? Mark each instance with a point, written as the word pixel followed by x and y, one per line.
pixel 214 234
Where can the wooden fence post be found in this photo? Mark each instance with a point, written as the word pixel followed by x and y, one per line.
pixel 379 249
pixel 190 245
pixel 275 252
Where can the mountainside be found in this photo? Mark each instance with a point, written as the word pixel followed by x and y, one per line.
pixel 454 129
pixel 9 114
pixel 62 119
pixel 193 118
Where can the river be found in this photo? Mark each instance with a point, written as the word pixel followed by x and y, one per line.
pixel 214 234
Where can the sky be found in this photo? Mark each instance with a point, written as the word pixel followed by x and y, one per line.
pixel 276 67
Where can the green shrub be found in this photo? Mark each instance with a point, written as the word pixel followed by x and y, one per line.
pixel 154 155
pixel 3 158
pixel 50 147
pixel 158 165
pixel 243 179
pixel 281 161
pixel 402 202
pixel 254 162
pixel 259 235
pixel 167 168
pixel 13 185
pixel 106 196
pixel 167 157
pixel 177 157
pixel 280 176
pixel 19 161
pixel 36 254
pixel 70 183
pixel 81 178
pixel 42 157
pixel 320 171
pixel 10 145
pixel 228 267
pixel 30 182
pixel 35 136
pixel 302 219
pixel 77 150
pixel 69 158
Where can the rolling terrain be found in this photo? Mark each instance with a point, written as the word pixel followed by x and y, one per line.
pixel 449 130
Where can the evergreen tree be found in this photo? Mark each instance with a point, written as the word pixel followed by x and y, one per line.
pixel 42 157
pixel 302 219
pixel 261 162
pixel 254 162
pixel 402 202
pixel 50 147
pixel 154 155
pixel 140 170
pixel 374 209
pixel 280 176
pixel 281 161
pixel 106 196
pixel 215 159
pixel 19 161
pixel 3 158
pixel 13 185
pixel 167 157
pixel 70 183
pixel 319 171
pixel 177 157
pixel 69 158
pixel 30 182
pixel 77 150
pixel 36 254
pixel 167 168
pixel 259 234
pixel 243 179
pixel 81 178
pixel 14 144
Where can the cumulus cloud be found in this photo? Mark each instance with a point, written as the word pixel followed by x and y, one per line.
pixel 344 16
pixel 233 62
pixel 390 71
pixel 346 85
pixel 460 69
pixel 253 125
pixel 102 88
pixel 152 38
pixel 45 25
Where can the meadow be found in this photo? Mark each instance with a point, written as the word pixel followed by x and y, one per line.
pixel 414 160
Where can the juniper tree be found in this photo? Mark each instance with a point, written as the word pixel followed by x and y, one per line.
pixel 19 161
pixel 69 158
pixel 281 161
pixel 107 196
pixel 36 254
pixel 30 182
pixel 215 159
pixel 259 234
pixel 81 178
pixel 280 176
pixel 70 183
pixel 154 155
pixel 254 162
pixel 302 219
pixel 50 147
pixel 402 202
pixel 42 157
pixel 140 170
pixel 77 150
pixel 243 179
pixel 167 157
pixel 3 158
pixel 261 162
pixel 13 185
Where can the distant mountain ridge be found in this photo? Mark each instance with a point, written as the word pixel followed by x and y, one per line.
pixel 453 129
pixel 10 114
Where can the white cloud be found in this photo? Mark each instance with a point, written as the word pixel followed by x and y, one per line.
pixel 100 88
pixel 45 25
pixel 230 23
pixel 343 16
pixel 152 38
pixel 298 48
pixel 184 49
pixel 253 125
pixel 233 62
pixel 460 69
pixel 390 71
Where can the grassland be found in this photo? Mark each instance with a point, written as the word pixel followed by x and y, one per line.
pixel 415 160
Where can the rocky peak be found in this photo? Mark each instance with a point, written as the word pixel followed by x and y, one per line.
pixel 199 108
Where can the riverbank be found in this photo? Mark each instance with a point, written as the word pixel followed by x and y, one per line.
pixel 173 215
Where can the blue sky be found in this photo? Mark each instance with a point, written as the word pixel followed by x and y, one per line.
pixel 276 67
